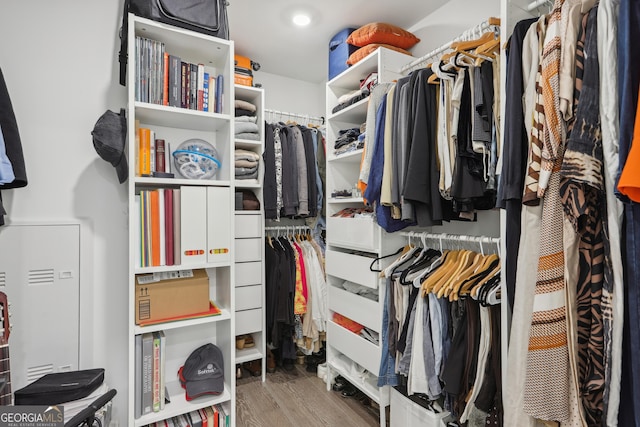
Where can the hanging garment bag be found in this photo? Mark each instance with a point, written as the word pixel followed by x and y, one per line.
pixel 204 16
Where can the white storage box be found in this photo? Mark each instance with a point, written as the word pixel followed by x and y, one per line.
pixel 248 321
pixel 406 413
pixel 248 273
pixel 248 297
pixel 248 226
pixel 361 351
pixel 248 250
pixel 355 307
pixel 353 268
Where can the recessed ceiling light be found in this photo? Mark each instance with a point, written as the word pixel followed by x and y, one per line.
pixel 301 20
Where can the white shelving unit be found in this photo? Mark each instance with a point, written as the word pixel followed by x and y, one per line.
pixel 176 125
pixel 249 233
pixel 353 243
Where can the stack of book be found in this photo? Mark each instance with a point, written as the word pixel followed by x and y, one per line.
pixel 211 416
pixel 159 227
pixel 150 379
pixel 153 155
pixel 166 79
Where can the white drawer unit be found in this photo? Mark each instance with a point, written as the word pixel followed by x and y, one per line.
pixel 248 250
pixel 354 268
pixel 357 308
pixel 248 273
pixel 248 321
pixel 356 348
pixel 248 297
pixel 354 233
pixel 248 226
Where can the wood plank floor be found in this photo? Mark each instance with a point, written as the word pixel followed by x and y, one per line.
pixel 297 398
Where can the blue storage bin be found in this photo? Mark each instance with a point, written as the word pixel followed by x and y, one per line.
pixel 339 52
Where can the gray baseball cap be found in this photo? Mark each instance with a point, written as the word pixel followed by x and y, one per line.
pixel 109 137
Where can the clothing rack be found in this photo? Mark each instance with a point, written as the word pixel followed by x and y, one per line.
pixel 275 114
pixel 287 228
pixel 474 32
pixel 458 238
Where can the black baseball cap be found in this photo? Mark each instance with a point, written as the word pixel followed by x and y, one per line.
pixel 203 372
pixel 109 136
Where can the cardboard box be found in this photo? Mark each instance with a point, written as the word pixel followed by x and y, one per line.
pixel 171 297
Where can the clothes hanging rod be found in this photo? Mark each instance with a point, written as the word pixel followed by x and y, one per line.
pixel 451 237
pixel 287 227
pixel 298 115
pixel 471 32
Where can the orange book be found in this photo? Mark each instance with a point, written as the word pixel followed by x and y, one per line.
pixel 155 228
pixel 145 152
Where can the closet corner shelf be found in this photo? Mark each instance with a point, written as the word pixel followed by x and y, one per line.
pixel 182 118
pixel 350 157
pixel 180 405
pixel 354 113
pixel 248 183
pixel 149 270
pixel 248 354
pixel 224 315
pixel 151 181
pixel 350 78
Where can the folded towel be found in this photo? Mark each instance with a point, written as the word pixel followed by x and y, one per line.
pixel 248 135
pixel 245 171
pixel 246 163
pixel 246 127
pixel 239 153
pixel 253 119
pixel 252 176
pixel 245 105
pixel 243 112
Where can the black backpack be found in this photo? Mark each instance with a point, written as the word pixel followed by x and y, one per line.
pixel 204 16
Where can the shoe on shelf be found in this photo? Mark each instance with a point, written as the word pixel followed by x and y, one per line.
pixel 254 367
pixel 322 371
pixel 248 341
pixel 238 372
pixel 240 342
pixel 271 362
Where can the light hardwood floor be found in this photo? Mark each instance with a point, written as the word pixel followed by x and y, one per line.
pixel 297 399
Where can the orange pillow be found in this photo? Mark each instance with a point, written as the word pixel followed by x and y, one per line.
pixel 364 51
pixel 380 32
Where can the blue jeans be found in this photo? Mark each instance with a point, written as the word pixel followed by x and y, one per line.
pixel 387 375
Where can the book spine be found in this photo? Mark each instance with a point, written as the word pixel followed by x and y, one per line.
pixel 177 227
pixel 200 92
pixel 156 372
pixel 168 231
pixel 144 221
pixel 155 228
pixel 203 417
pixel 165 78
pixel 161 234
pixel 167 156
pixel 137 225
pixel 212 93
pixel 219 93
pixel 183 87
pixel 174 81
pixel 160 155
pixel 147 373
pixel 193 88
pixel 138 377
pixel 145 152
pixel 163 362
pixel 205 92
pixel 152 153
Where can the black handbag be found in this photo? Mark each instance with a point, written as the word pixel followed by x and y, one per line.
pixel 203 16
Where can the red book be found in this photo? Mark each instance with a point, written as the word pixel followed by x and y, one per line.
pixel 168 224
pixel 155 228
pixel 203 417
pixel 160 153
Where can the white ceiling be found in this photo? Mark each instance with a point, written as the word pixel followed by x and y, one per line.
pixel 262 29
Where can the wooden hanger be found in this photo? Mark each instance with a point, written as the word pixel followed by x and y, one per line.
pixel 439 277
pixel 464 261
pixel 476 288
pixel 472 44
pixel 470 271
pixel 488 263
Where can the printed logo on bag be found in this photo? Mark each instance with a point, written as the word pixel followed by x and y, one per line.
pixel 32 416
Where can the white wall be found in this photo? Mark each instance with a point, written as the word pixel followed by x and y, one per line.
pixel 290 95
pixel 59 63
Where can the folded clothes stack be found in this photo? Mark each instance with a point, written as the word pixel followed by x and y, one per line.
pixel 246 121
pixel 348 140
pixel 246 164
